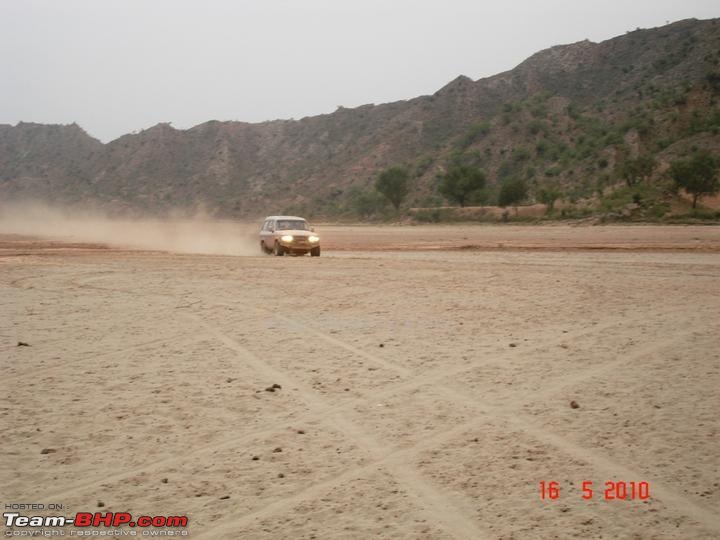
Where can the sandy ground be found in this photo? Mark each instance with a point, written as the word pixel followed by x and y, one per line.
pixel 425 392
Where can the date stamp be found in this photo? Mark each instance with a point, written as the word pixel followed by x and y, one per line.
pixel 610 491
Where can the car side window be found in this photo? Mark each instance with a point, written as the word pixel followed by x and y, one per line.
pixel 270 226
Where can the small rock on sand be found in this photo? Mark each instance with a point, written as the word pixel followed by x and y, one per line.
pixel 23 344
pixel 574 404
pixel 48 451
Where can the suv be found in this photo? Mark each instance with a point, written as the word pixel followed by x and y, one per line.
pixel 288 234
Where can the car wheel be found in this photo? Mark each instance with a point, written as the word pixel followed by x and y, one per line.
pixel 315 252
pixel 278 250
pixel 263 249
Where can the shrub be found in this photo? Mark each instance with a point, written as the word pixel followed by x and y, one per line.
pixel 573 112
pixel 520 154
pixel 474 134
pixel 537 126
pixel 539 111
pixel 422 165
pixel 508 168
pixel 713 81
pixel 547 196
pixel 366 203
pixel 553 171
pixel 542 147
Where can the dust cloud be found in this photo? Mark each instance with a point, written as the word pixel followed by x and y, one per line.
pixel 198 234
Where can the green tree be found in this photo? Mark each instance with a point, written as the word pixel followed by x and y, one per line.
pixel 697 175
pixel 394 184
pixel 548 195
pixel 460 182
pixel 636 170
pixel 512 193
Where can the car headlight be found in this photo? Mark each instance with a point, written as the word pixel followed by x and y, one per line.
pixel 313 238
pixel 287 238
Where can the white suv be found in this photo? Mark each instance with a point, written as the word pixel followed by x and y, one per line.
pixel 288 234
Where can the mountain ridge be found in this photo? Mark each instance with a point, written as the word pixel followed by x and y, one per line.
pixel 318 164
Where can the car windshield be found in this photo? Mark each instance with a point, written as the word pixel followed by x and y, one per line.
pixel 292 225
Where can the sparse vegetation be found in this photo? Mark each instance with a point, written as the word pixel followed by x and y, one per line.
pixel 475 133
pixel 423 164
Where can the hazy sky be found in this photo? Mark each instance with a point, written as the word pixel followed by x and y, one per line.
pixel 116 66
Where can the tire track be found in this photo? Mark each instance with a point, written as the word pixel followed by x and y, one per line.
pixel 434 502
pixel 681 502
pixel 423 379
pixel 232 523
pixel 697 512
pixel 408 475
pixel 343 345
pixel 398 459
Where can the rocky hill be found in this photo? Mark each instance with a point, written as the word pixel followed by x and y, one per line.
pixel 568 116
